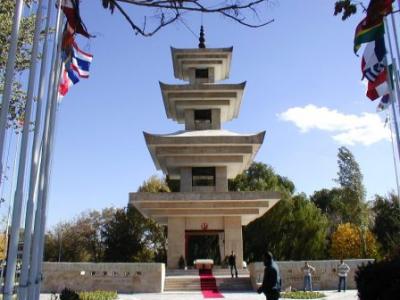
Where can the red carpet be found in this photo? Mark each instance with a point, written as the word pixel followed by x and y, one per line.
pixel 208 285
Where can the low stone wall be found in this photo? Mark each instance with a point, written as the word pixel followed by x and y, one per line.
pixel 324 278
pixel 120 277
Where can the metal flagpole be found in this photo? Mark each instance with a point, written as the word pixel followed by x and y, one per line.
pixel 10 203
pixel 394 155
pixel 34 165
pixel 39 206
pixel 12 53
pixel 395 86
pixel 19 191
pixel 44 191
pixel 44 185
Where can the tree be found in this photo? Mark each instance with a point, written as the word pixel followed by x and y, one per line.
pixel 294 229
pixel 387 223
pixel 25 40
pixel 165 12
pixel 353 209
pixel 260 177
pixel 79 239
pixel 130 237
pixel 349 240
pixel 154 185
pixel 302 223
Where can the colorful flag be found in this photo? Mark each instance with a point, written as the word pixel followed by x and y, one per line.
pixel 372 27
pixel 379 87
pixel 379 7
pixel 373 61
pixel 368 30
pixel 81 61
pixel 68 78
pixel 384 103
pixel 70 9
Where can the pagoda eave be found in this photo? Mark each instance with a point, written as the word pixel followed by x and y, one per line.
pixel 178 98
pixel 203 148
pixel 248 205
pixel 217 58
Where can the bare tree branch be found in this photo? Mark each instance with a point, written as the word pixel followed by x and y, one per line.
pixel 171 11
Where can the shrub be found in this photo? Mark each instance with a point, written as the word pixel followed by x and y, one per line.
pixel 379 280
pixel 98 295
pixel 302 295
pixel 67 294
pixel 181 262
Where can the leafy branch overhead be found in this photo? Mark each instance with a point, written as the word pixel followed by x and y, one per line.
pixel 346 8
pixel 165 12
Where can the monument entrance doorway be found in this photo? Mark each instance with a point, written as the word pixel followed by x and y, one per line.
pixel 200 244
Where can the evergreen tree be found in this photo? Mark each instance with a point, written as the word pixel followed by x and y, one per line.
pixel 387 224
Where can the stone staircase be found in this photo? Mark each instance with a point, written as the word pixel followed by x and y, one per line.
pixel 189 280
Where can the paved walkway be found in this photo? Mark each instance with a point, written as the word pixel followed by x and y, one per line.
pixel 331 295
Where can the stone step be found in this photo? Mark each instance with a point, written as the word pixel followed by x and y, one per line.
pixel 192 283
pixel 195 272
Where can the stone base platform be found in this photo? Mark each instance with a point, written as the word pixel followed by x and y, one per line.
pixel 189 280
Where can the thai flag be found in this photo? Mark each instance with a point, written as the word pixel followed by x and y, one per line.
pixel 81 61
pixel 68 78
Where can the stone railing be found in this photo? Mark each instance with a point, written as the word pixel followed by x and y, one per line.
pixel 120 277
pixel 324 278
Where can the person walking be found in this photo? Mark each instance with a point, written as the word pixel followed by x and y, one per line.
pixel 308 270
pixel 232 263
pixel 271 285
pixel 342 270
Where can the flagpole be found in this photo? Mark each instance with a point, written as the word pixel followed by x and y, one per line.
pixel 33 270
pixel 44 184
pixel 19 192
pixel 393 87
pixel 34 165
pixel 394 154
pixel 12 53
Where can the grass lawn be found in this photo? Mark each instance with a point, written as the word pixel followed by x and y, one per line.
pixel 302 295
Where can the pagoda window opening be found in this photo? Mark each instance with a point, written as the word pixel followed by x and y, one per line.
pixel 201 73
pixel 202 119
pixel 203 176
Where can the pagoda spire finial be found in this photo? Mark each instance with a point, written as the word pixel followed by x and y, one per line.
pixel 201 38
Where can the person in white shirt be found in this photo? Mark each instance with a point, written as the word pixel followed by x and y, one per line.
pixel 308 270
pixel 342 271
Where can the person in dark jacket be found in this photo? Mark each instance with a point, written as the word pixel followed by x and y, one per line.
pixel 232 263
pixel 271 285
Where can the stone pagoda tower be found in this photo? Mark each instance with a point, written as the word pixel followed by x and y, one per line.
pixel 203 157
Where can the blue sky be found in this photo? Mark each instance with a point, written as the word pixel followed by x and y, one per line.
pixel 303 88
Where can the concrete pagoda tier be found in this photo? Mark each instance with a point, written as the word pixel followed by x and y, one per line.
pixel 203 157
pixel 247 205
pixel 199 148
pixel 179 98
pixel 186 61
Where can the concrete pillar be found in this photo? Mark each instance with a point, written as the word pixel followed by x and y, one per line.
pixel 211 75
pixel 216 118
pixel 234 239
pixel 176 241
pixel 221 179
pixel 186 179
pixel 189 119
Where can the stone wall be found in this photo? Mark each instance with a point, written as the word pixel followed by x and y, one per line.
pixel 324 278
pixel 120 277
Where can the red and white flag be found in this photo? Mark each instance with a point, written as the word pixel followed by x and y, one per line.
pixel 70 9
pixel 378 87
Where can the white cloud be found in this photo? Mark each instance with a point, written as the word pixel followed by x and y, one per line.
pixel 346 129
